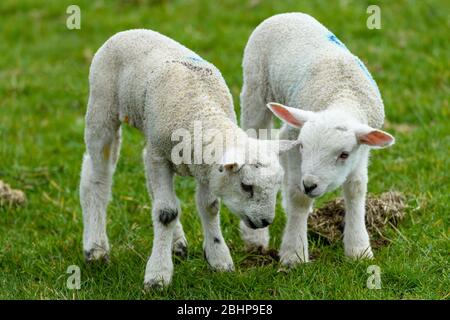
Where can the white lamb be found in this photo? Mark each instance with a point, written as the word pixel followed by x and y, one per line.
pixel 155 84
pixel 294 60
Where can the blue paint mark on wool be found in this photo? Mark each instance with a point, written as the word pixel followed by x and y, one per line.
pixel 363 67
pixel 196 58
pixel 335 40
pixel 338 42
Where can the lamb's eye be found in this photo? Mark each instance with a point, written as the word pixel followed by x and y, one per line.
pixel 301 145
pixel 344 155
pixel 247 188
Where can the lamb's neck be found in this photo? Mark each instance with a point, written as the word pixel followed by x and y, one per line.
pixel 347 106
pixel 223 129
pixel 222 134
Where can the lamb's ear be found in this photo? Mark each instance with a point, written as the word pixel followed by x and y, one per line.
pixel 374 138
pixel 292 116
pixel 229 167
pixel 286 145
pixel 231 161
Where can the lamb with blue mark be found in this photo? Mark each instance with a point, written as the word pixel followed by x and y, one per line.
pixel 335 111
pixel 160 87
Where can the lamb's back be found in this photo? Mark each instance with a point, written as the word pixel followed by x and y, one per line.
pixel 307 65
pixel 161 85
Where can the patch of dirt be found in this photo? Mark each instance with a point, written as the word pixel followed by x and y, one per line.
pixel 10 196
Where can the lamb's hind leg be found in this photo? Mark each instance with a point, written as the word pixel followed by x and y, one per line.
pixel 254 113
pixel 99 162
pixel 165 215
pixel 179 246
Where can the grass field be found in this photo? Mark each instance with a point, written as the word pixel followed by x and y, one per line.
pixel 43 95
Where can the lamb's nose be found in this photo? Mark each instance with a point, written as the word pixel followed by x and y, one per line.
pixel 265 223
pixel 309 188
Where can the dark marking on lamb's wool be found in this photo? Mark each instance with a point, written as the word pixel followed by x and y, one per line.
pixel 261 165
pixel 216 240
pixel 195 68
pixel 192 67
pixel 215 206
pixel 166 216
pixel 341 128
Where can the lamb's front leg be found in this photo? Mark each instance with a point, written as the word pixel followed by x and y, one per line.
pixel 356 238
pixel 165 215
pixel 215 249
pixel 294 247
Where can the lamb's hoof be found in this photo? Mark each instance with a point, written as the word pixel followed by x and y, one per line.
pixel 180 249
pixel 290 260
pixel 224 267
pixel 157 281
pixel 284 269
pixel 359 253
pixel 153 285
pixel 219 262
pixel 96 255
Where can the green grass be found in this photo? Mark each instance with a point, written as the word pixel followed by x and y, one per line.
pixel 43 94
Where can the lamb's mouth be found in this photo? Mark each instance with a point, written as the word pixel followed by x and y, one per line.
pixel 250 223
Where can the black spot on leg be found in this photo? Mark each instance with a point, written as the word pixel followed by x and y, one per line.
pixel 214 205
pixel 166 216
pixel 216 240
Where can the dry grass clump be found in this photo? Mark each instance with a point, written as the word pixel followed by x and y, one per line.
pixel 381 211
pixel 10 196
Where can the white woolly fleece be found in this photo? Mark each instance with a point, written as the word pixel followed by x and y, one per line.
pixel 304 65
pixel 158 82
pixel 155 84
pixel 331 105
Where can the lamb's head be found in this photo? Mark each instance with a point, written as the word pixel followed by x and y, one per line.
pixel 332 145
pixel 248 180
